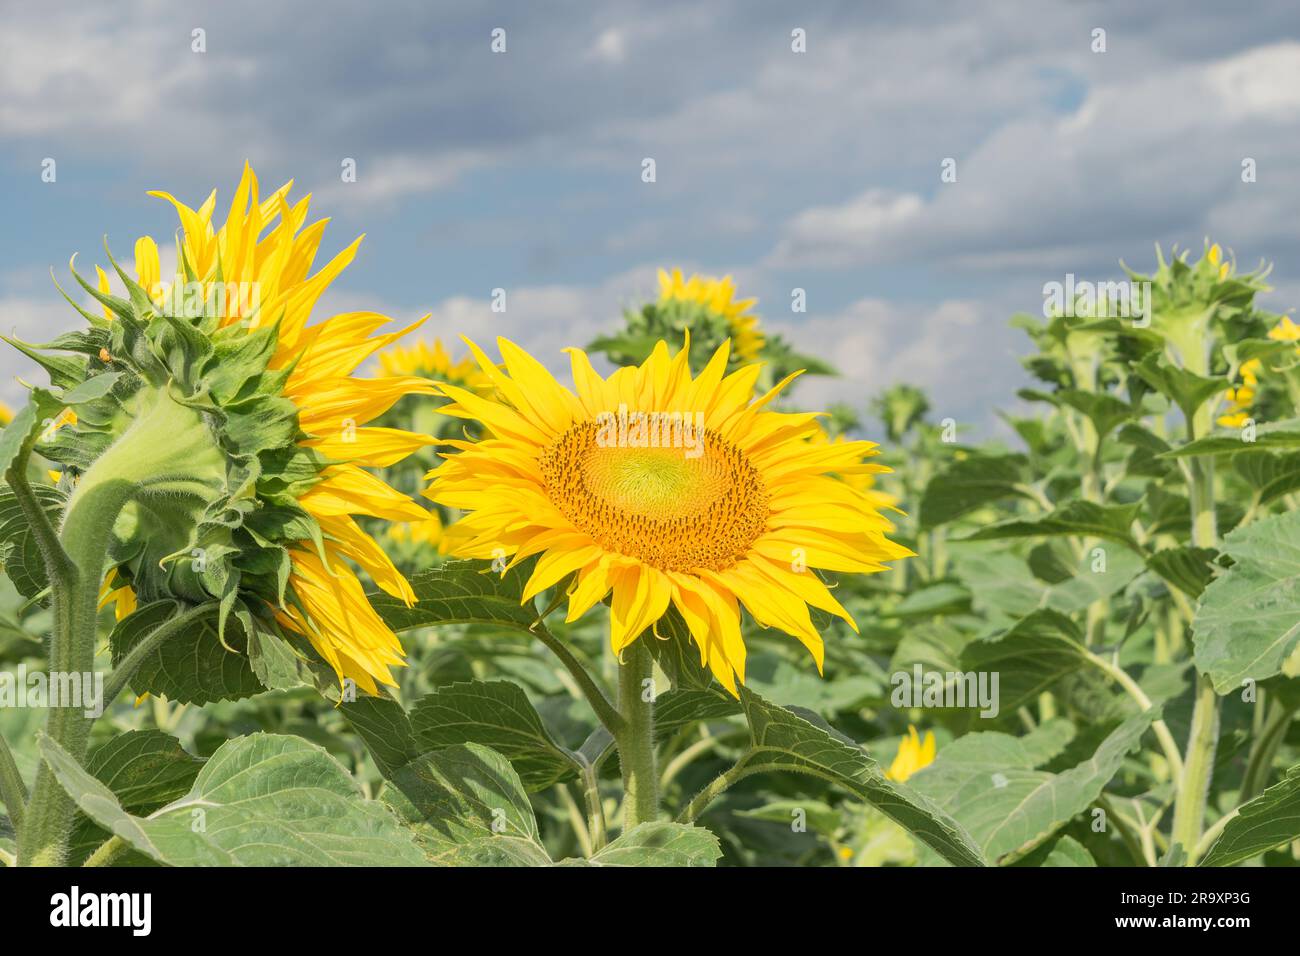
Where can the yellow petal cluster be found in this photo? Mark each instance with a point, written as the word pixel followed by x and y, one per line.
pixel 913 754
pixel 607 483
pixel 717 296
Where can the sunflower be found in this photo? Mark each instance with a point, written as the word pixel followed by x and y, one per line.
pixel 433 362
pixel 913 754
pixel 717 296
pixel 659 488
pixel 1285 331
pixel 1241 397
pixel 428 531
pixel 1215 257
pixel 225 385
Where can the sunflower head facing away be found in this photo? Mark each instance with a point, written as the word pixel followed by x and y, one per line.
pixel 656 488
pixel 242 426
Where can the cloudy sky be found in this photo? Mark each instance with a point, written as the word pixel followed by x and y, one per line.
pixel 818 170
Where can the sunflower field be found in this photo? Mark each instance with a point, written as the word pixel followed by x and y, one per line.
pixel 289 588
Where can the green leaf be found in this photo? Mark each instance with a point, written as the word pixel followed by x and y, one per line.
pixel 1186 389
pixel 23 561
pixel 1272 476
pixel 385 728
pixel 820 817
pixel 969 484
pixel 1049 564
pixel 1270 820
pixel 1269 350
pixel 191 667
pixel 91 389
pixel 469 807
pixel 1271 436
pixel 1248 621
pixel 1083 518
pixel 1105 411
pixel 987 781
pixel 1186 568
pixel 262 800
pixel 1147 447
pixel 16 435
pixel 274 662
pixel 782 740
pixel 670 644
pixel 936 599
pixel 936 646
pixel 496 714
pixel 660 844
pixel 144 769
pixel 1029 657
pixel 678 708
pixel 460 592
pixel 1068 852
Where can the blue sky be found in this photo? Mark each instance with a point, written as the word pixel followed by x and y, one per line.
pixel 818 170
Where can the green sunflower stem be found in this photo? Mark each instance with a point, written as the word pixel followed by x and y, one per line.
pixel 13 792
pixel 43 838
pixel 1198 767
pixel 1203 739
pixel 635 740
pixel 109 853
pixel 165 445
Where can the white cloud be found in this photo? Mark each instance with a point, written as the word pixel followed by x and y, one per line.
pixel 609 47
pixel 960 351
pixel 1151 159
pixel 830 236
pixel 386 179
pixel 1264 81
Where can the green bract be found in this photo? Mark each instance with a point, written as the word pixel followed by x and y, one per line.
pixel 195 436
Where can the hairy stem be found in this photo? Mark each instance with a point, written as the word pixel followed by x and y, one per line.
pixel 716 788
pixel 13 792
pixel 109 852
pixel 605 711
pixel 1203 739
pixel 43 838
pixel 595 809
pixel 1161 729
pixel 164 449
pixel 635 739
